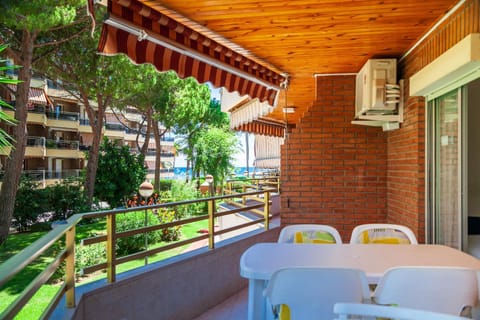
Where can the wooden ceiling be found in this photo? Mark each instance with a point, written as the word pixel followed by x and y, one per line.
pixel 307 37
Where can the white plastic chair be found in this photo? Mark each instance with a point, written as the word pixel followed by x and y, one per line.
pixel 448 290
pixel 383 233
pixel 309 233
pixel 345 311
pixel 310 293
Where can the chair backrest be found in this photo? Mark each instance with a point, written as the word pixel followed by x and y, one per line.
pixel 310 293
pixel 448 290
pixel 367 311
pixel 309 233
pixel 383 233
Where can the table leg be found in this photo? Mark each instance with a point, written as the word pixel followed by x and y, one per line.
pixel 256 301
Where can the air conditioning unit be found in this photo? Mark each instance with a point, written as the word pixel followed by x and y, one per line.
pixel 377 91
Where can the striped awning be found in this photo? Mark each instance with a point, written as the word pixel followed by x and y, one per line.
pixel 249 112
pixel 150 33
pixel 263 127
pixel 267 151
pixel 35 95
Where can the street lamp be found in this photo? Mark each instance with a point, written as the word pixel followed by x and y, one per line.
pixel 146 190
pixel 209 180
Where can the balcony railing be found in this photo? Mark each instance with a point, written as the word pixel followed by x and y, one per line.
pixel 42 175
pixel 63 144
pixel 162 154
pixel 114 126
pixel 64 115
pixel 63 236
pixel 33 141
pixel 84 122
pixel 162 170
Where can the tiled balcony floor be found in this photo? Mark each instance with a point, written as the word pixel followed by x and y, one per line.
pixel 234 308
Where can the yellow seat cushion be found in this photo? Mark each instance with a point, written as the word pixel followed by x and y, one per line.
pixel 284 312
pixel 383 236
pixel 313 237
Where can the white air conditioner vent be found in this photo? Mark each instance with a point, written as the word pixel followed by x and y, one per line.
pixel 378 97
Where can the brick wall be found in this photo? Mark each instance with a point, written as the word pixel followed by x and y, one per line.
pixel 343 175
pixel 334 172
pixel 406 169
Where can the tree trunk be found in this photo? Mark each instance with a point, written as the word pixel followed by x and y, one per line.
pixel 14 163
pixel 96 122
pixel 146 142
pixel 158 157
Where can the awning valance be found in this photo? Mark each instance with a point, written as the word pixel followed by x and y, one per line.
pixel 248 112
pixel 263 127
pixel 157 36
pixel 267 151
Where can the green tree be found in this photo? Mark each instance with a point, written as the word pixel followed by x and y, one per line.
pixel 119 174
pixel 215 149
pixel 29 27
pixel 98 81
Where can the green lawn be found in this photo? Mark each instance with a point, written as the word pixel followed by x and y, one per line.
pixel 17 242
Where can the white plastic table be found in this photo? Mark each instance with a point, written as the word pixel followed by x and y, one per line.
pixel 258 263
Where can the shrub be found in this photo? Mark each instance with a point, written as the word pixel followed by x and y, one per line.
pixel 166 185
pixel 66 198
pixel 135 243
pixel 30 202
pixel 169 234
pixel 186 191
pixel 85 256
pixel 90 255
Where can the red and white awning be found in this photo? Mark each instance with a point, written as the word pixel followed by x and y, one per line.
pixel 156 35
pixel 249 112
pixel 35 95
pixel 267 151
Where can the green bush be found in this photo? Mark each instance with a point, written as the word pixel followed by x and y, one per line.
pixel 131 221
pixel 90 255
pixel 30 202
pixel 66 198
pixel 85 256
pixel 166 185
pixel 186 191
pixel 169 234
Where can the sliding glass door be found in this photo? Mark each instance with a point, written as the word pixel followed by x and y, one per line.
pixel 445 216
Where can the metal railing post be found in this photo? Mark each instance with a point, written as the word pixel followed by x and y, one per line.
pixel 211 224
pixel 111 248
pixel 70 267
pixel 146 234
pixel 266 209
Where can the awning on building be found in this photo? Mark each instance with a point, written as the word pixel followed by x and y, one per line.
pixel 152 33
pixel 35 95
pixel 263 127
pixel 249 112
pixel 267 151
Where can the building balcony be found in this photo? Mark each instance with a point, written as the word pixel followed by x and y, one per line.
pixel 114 130
pixel 63 120
pixel 47 177
pixel 84 126
pixel 63 149
pixel 36 147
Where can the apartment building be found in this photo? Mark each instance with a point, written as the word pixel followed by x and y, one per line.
pixel 59 135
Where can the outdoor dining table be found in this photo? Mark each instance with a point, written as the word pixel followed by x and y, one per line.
pixel 260 261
